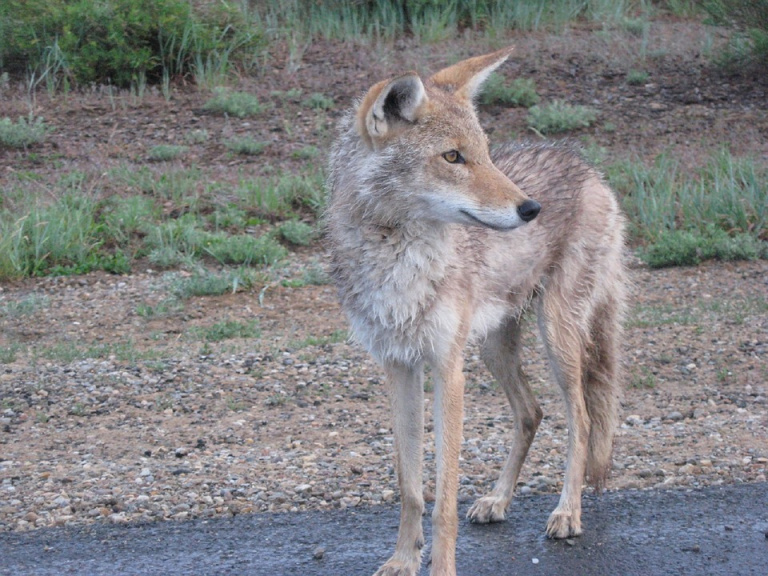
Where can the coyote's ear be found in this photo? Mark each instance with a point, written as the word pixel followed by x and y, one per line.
pixel 388 105
pixel 465 78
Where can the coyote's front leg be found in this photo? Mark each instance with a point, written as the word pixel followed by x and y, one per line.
pixel 407 390
pixel 449 416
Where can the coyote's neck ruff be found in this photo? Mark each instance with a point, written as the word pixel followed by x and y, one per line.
pixel 435 243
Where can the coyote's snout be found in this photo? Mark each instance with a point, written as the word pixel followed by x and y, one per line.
pixel 437 242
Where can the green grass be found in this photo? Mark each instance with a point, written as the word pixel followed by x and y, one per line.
pixel 718 211
pixel 245 146
pixel 196 136
pixel 430 21
pixel 166 152
pixel 317 101
pixel 558 117
pixel 126 43
pixel 748 45
pixel 26 306
pixel 174 217
pixel 296 232
pixel 8 353
pixel 281 195
pixel 305 153
pixel 166 307
pixel 334 337
pixel 244 249
pixel 63 234
pixel 238 104
pixel 637 77
pixel 521 92
pixel 207 283
pixel 643 378
pixel 23 133
pixel 227 330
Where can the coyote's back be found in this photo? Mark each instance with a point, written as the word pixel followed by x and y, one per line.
pixel 436 242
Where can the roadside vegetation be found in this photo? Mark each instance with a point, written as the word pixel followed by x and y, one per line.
pixel 161 209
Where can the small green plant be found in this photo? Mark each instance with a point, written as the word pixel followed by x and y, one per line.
pixel 635 26
pixel 279 195
pixel 723 374
pixel 124 43
pixel 305 153
pixel 196 136
pixel 25 306
pixel 521 92
pixel 165 307
pixel 229 217
pixel 294 94
pixel 228 329
pixel 691 247
pixel 315 275
pixel 239 104
pixel 207 283
pixel 637 77
pixel 236 405
pixel 559 116
pixel 297 232
pixel 8 353
pixel 246 146
pixel 277 399
pixel 166 152
pixel 244 249
pixel 643 378
pixel 124 217
pixel 317 101
pixel 23 133
pixel 748 46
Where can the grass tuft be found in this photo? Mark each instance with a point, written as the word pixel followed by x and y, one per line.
pixel 239 104
pixel 637 77
pixel 297 232
pixel 166 152
pixel 521 92
pixel 23 133
pixel 317 101
pixel 559 116
pixel 245 146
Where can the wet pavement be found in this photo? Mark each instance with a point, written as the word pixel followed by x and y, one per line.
pixel 712 531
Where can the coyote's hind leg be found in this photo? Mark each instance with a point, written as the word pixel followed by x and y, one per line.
pixel 501 354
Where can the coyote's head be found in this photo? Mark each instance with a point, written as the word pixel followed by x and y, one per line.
pixel 428 151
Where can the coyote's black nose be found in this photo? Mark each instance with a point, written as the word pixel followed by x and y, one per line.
pixel 528 210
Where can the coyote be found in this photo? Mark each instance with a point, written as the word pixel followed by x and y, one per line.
pixel 436 243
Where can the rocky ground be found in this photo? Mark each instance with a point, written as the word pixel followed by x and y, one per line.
pixel 167 425
pixel 110 413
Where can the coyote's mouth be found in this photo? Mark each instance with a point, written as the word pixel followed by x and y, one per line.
pixel 490 225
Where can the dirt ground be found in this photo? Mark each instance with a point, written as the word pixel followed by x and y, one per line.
pixel 168 425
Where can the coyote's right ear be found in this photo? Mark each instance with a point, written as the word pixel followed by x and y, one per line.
pixel 389 105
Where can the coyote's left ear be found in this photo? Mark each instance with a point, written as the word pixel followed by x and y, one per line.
pixel 465 78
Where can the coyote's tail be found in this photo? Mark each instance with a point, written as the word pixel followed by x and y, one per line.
pixel 602 389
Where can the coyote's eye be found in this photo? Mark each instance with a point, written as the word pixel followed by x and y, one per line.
pixel 453 157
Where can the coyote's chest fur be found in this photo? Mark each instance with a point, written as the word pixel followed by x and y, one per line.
pixel 400 288
pixel 390 288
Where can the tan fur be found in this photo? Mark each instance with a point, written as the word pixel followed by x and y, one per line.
pixel 429 254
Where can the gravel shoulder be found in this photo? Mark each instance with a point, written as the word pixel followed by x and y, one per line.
pixel 163 424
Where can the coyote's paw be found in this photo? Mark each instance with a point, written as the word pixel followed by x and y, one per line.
pixel 564 523
pixel 399 567
pixel 487 509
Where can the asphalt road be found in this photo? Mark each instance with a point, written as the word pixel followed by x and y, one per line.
pixel 713 531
